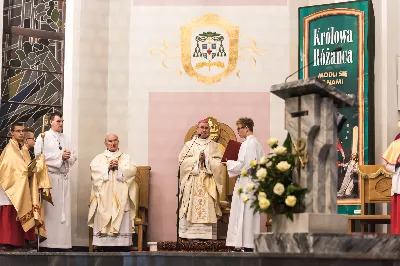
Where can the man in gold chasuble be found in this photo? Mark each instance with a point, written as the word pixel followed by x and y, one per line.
pixel 200 186
pixel 19 191
pixel 39 182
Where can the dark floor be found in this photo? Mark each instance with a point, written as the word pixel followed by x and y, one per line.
pixel 185 259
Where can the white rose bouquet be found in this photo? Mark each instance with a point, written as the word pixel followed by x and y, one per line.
pixel 275 192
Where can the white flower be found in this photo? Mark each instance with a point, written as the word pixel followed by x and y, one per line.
pixel 283 166
pixel 272 142
pixel 253 163
pixel 243 173
pixel 250 187
pixel 262 195
pixel 290 201
pixel 240 191
pixel 263 160
pixel 245 198
pixel 280 150
pixel 264 203
pixel 279 189
pixel 261 173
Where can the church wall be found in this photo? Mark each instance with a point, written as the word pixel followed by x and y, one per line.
pixel 164 103
pixel 167 131
pixel 114 84
pixel 118 70
pixel 86 85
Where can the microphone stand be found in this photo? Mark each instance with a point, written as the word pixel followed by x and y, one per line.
pixel 337 49
pixel 177 246
pixel 299 70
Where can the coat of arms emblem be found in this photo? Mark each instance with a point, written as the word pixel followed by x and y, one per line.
pixel 209 48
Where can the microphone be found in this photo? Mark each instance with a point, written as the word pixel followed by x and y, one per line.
pixel 337 49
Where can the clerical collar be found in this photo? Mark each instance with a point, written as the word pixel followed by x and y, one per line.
pixel 54 132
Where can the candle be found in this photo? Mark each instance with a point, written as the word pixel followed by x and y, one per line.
pixel 44 119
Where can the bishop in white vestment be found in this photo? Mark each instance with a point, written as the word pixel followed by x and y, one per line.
pixel 60 157
pixel 200 186
pixel 243 224
pixel 113 197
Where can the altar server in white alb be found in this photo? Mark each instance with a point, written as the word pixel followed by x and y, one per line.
pixel 59 159
pixel 113 197
pixel 243 224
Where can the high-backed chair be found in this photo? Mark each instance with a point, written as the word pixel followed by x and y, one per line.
pixel 142 212
pixel 141 184
pixel 375 187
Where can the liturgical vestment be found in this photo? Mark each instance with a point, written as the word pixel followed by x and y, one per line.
pixel 113 200
pixel 392 158
pixel 19 195
pixel 200 189
pixel 58 217
pixel 243 224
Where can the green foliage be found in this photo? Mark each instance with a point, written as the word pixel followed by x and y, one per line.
pixel 209 34
pixel 279 167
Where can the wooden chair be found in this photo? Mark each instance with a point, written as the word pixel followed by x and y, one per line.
pixel 375 187
pixel 142 214
pixel 142 198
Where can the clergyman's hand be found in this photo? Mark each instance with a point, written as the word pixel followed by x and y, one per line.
pixel 111 165
pixel 46 192
pixel 202 156
pixel 66 155
pixel 115 164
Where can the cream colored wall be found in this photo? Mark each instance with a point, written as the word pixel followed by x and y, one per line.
pixel 118 70
pixel 97 72
pixel 86 89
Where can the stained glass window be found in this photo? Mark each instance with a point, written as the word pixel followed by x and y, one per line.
pixel 32 63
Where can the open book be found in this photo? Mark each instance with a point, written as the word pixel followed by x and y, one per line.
pixel 231 151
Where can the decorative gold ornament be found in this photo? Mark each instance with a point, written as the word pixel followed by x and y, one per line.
pixel 203 45
pixel 214 128
pixel 209 49
pixel 300 152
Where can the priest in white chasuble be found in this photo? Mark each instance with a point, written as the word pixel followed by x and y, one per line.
pixel 60 157
pixel 200 186
pixel 113 197
pixel 243 223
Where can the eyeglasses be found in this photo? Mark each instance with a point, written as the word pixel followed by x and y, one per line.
pixel 31 138
pixel 239 128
